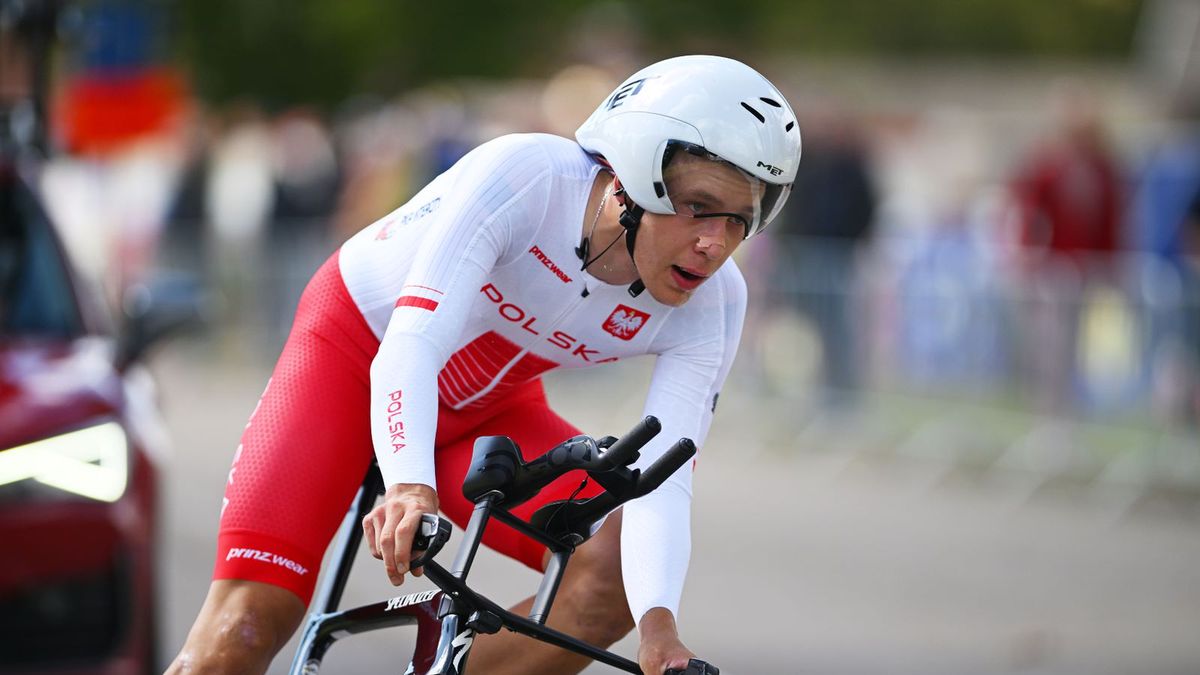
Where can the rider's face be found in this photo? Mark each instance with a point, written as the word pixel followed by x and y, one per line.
pixel 675 254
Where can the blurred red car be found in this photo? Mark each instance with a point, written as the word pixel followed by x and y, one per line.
pixel 79 442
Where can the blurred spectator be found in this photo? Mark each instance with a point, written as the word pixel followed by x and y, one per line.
pixel 16 105
pixel 377 147
pixel 1069 189
pixel 240 191
pixel 1166 227
pixel 938 302
pixel 307 181
pixel 239 198
pixel 829 214
pixel 1068 194
pixel 307 176
pixel 187 241
pixel 950 320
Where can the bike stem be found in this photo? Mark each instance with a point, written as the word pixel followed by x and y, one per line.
pixel 549 587
pixel 465 556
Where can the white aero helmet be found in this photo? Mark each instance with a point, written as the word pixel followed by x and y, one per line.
pixel 710 103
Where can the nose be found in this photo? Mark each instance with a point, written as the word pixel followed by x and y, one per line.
pixel 712 239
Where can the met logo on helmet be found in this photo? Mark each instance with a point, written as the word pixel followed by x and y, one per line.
pixel 629 90
pixel 773 170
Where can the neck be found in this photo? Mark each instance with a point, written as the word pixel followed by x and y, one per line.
pixel 601 226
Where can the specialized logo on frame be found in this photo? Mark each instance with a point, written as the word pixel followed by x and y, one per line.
pixel 625 322
pixel 461 645
pixel 410 599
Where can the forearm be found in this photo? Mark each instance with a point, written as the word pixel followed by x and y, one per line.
pixel 656 547
pixel 404 409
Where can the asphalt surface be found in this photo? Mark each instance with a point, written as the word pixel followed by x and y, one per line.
pixel 805 559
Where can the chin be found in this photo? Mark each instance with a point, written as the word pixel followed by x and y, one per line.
pixel 671 297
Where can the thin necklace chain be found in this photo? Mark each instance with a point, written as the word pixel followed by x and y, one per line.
pixel 599 210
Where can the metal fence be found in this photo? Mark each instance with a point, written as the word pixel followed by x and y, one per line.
pixel 1081 335
pixel 1085 368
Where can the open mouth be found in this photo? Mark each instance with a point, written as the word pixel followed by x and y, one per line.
pixel 687 279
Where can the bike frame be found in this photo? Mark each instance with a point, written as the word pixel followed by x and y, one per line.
pixel 448 619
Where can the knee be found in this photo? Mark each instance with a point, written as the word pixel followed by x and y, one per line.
pixel 232 640
pixel 248 630
pixel 234 633
pixel 236 640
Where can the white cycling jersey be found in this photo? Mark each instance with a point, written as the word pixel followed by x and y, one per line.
pixel 474 286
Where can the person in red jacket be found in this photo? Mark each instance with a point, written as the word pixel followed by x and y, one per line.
pixel 1069 199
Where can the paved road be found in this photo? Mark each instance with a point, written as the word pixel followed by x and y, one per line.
pixel 804 560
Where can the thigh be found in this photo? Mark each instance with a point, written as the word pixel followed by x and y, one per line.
pixel 529 421
pixel 305 449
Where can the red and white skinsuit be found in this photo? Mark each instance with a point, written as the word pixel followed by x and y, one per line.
pixel 431 327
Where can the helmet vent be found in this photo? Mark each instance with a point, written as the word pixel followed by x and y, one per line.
pixel 789 126
pixel 754 112
pixel 771 102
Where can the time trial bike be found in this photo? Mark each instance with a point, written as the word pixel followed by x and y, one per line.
pixel 449 617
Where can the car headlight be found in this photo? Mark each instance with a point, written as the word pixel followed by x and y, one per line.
pixel 91 462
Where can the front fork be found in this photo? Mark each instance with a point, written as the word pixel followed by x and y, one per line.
pixel 452 650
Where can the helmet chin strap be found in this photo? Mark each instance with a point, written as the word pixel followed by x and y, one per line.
pixel 630 219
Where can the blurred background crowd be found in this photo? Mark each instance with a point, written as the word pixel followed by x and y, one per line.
pixel 1002 205
pixel 991 256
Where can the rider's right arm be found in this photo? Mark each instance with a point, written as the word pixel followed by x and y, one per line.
pixel 499 191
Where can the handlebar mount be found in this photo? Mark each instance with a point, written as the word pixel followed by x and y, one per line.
pixel 499 479
pixel 498 469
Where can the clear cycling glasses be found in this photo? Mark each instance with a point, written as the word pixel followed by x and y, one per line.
pixel 700 184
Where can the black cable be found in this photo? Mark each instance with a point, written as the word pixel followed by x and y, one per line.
pixel 568 500
pixel 583 251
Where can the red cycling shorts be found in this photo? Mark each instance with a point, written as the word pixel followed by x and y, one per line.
pixel 307 447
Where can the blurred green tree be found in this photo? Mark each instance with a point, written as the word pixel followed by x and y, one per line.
pixel 322 51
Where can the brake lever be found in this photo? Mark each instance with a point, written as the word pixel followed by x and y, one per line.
pixel 432 534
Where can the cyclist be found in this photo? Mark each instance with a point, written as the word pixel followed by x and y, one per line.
pixel 432 326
